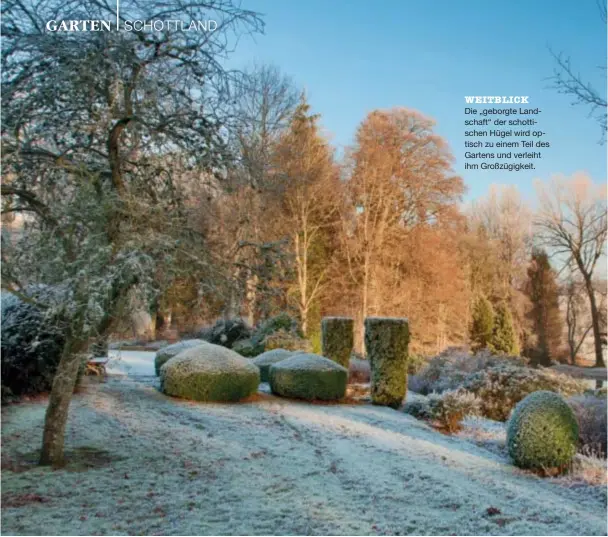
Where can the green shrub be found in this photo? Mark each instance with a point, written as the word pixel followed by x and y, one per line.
pixel 268 358
pixel 337 339
pixel 542 432
pixel 501 387
pixel 209 373
pixel 419 408
pixel 31 347
pixel 286 340
pixel 166 353
pixel 308 376
pixel 247 348
pixel 226 332
pixel 386 344
pixel 281 322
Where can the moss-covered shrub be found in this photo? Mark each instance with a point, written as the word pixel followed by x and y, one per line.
pixel 286 340
pixel 337 339
pixel 268 358
pixel 166 353
pixel 386 344
pixel 308 376
pixel 209 373
pixel 501 387
pixel 542 432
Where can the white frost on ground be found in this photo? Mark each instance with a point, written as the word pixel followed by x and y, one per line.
pixel 132 363
pixel 267 467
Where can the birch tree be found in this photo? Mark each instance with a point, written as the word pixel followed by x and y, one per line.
pixel 308 180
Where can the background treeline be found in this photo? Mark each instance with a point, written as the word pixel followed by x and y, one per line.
pixel 382 230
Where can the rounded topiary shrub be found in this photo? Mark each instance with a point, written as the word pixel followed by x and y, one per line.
pixel 209 373
pixel 268 358
pixel 386 344
pixel 308 376
pixel 337 339
pixel 166 353
pixel 542 432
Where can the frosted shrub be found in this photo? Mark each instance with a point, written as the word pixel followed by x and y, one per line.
pixel 542 432
pixel 226 332
pixel 308 376
pixel 449 369
pixel 209 373
pixel 281 322
pixel 286 340
pixel 446 409
pixel 451 407
pixel 31 348
pixel 590 412
pixel 501 387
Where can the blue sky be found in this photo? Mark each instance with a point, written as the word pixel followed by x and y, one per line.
pixel 355 56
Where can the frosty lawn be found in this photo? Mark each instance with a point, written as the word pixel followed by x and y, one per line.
pixel 145 463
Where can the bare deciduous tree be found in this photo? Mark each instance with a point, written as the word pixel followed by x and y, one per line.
pixel 568 81
pixel 571 223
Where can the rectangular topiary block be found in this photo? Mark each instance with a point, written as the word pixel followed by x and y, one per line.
pixel 337 339
pixel 386 343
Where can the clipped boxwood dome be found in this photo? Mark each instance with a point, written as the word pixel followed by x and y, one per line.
pixel 308 376
pixel 542 432
pixel 170 351
pixel 209 373
pixel 268 358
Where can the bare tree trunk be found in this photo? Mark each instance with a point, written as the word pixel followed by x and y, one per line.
pixel 595 320
pixel 59 402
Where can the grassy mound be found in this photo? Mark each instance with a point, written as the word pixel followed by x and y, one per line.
pixel 542 432
pixel 209 373
pixel 170 351
pixel 308 376
pixel 268 358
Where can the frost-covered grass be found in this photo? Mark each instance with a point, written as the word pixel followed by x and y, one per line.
pixel 143 463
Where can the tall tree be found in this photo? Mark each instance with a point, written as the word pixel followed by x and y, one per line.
pixel 543 292
pixel 309 184
pixel 504 338
pixel 482 325
pixel 86 118
pixel 401 178
pixel 572 225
